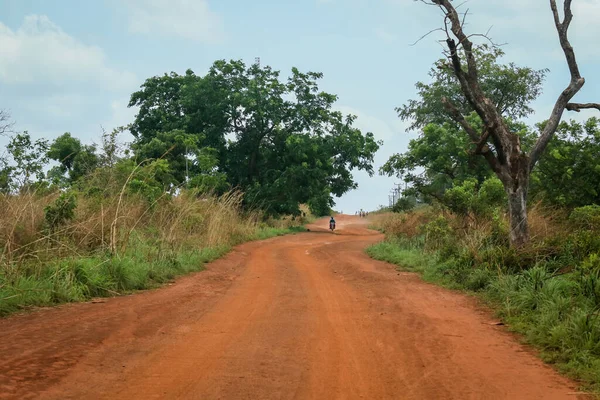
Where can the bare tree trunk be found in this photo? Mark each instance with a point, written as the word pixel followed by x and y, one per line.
pixel 517 211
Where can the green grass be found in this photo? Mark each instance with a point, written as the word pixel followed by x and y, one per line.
pixel 81 279
pixel 558 313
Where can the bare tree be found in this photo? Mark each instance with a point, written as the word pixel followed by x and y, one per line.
pixel 501 147
pixel 5 122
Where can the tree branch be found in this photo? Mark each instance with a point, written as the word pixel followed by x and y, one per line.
pixel 480 139
pixel 574 86
pixel 5 123
pixel 580 106
pixel 456 115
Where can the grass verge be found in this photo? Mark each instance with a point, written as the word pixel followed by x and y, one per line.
pixel 557 312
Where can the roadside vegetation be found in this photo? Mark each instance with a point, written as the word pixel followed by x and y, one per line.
pixel 497 206
pixel 549 291
pixel 216 160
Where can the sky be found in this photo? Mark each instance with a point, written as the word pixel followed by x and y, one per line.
pixel 71 65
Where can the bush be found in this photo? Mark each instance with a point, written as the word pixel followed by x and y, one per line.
pixel 478 279
pixel 61 211
pixel 437 233
pixel 587 217
pixel 404 204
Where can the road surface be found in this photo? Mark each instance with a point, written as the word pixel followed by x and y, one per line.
pixel 308 316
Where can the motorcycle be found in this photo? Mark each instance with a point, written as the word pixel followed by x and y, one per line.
pixel 332 226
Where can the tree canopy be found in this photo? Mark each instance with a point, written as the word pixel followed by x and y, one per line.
pixel 571 161
pixel 444 155
pixel 510 87
pixel 279 141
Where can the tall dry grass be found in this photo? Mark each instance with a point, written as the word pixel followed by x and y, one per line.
pixel 402 224
pixel 113 225
pixel 115 243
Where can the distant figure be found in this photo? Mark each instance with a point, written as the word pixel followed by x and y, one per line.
pixel 332 224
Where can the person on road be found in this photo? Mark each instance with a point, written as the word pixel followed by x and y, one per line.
pixel 332 223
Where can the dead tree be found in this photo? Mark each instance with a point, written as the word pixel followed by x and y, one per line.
pixel 501 147
pixel 5 123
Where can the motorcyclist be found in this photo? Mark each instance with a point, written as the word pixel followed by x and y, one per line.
pixel 331 222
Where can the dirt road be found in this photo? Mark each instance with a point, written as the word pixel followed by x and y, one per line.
pixel 299 317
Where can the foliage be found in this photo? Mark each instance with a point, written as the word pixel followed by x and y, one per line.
pixel 510 87
pixel 587 217
pixel 73 157
pixel 571 161
pixel 61 211
pixel 23 166
pixel 405 203
pixel 320 206
pixel 467 199
pixel 548 291
pixel 441 158
pixel 435 160
pixel 278 141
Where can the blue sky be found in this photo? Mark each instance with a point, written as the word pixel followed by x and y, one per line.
pixel 70 65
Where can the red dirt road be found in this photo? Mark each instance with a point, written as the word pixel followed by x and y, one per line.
pixel 307 316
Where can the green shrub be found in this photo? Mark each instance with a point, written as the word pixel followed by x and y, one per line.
pixel 587 217
pixel 437 233
pixel 61 211
pixel 479 279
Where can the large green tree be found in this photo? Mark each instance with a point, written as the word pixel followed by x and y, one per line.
pixel 280 141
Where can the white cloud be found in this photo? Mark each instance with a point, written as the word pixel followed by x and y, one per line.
pixel 188 19
pixel 54 82
pixel 40 52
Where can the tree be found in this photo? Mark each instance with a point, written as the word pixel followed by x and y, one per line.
pixel 278 141
pixel 175 147
pixel 571 161
pixel 25 163
pixel 76 159
pixel 436 161
pixel 501 147
pixel 510 88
